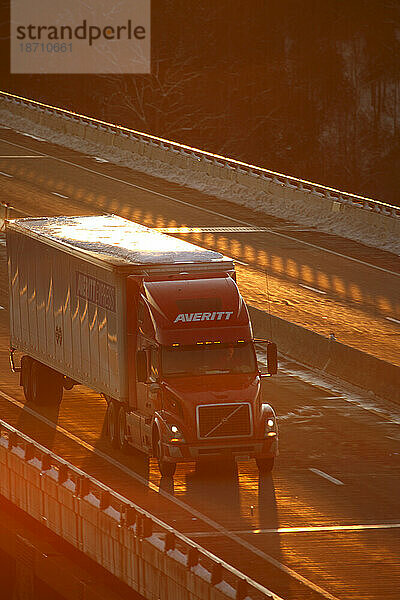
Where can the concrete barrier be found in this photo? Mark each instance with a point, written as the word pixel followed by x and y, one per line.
pixel 113 531
pixel 351 365
pixel 306 201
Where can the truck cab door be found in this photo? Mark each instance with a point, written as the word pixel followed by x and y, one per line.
pixel 141 380
pixel 148 389
pixel 145 398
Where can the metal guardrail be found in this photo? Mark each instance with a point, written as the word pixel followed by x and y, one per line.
pixel 87 513
pixel 287 181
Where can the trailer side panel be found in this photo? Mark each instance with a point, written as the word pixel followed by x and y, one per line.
pixel 68 313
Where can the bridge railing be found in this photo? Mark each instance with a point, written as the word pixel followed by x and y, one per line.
pixel 147 554
pixel 89 127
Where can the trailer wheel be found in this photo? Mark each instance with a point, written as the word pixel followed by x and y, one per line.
pixel 56 387
pixel 112 423
pixel 38 383
pixel 167 469
pixel 265 465
pixel 45 384
pixel 25 378
pixel 122 443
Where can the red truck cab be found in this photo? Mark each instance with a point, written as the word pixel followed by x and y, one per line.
pixel 194 383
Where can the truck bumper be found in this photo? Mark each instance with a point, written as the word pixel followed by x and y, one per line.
pixel 266 448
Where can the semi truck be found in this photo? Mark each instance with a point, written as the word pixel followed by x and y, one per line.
pixel 154 324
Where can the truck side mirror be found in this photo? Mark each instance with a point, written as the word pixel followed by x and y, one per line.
pixel 272 358
pixel 141 366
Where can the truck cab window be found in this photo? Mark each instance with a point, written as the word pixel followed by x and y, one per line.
pixel 208 359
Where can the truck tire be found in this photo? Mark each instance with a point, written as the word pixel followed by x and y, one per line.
pixel 56 387
pixel 167 469
pixel 25 379
pixel 112 423
pixel 45 384
pixel 39 391
pixel 122 443
pixel 265 465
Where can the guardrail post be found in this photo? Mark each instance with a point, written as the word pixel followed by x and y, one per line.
pixel 216 574
pixel 46 462
pixel 169 541
pixel 130 516
pixel 144 526
pixel 105 500
pixel 62 473
pixel 192 557
pixel 83 487
pixel 12 440
pixel 29 451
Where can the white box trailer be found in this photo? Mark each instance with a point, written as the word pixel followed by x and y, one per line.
pixel 67 280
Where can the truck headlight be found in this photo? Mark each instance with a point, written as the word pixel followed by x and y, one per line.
pixel 270 427
pixel 176 434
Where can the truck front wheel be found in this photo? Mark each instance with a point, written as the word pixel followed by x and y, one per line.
pixel 167 469
pixel 265 465
pixel 122 443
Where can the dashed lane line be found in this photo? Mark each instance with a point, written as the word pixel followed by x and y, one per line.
pixel 326 476
pixel 207 210
pixel 5 174
pixel 60 195
pixel 393 320
pixel 313 289
pixel 21 156
pixel 232 536
pixel 184 230
pixel 311 529
pixel 34 137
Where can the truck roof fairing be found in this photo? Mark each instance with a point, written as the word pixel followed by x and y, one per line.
pixel 193 311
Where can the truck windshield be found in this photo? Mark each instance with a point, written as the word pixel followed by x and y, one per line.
pixel 208 359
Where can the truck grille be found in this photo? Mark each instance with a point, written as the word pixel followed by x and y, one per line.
pixel 223 420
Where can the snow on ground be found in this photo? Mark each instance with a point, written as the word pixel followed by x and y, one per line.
pixel 299 211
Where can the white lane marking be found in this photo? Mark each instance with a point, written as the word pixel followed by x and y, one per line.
pixel 21 156
pixel 61 195
pixel 311 529
pixel 240 262
pixel 183 230
pixel 313 289
pixel 2 308
pixel 6 174
pixel 100 160
pixel 232 536
pixel 326 476
pixel 207 210
pixel 393 319
pixel 34 137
